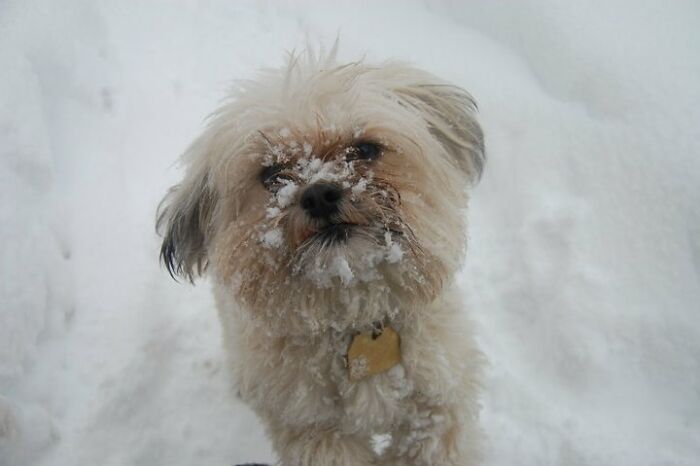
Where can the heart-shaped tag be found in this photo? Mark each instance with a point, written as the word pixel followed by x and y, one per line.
pixel 369 354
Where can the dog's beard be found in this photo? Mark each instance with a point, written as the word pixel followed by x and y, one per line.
pixel 338 276
pixel 345 253
pixel 350 246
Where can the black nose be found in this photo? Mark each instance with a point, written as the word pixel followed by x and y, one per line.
pixel 320 200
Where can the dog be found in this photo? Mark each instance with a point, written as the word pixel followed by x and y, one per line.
pixel 327 203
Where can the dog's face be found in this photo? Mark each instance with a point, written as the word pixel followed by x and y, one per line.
pixel 328 195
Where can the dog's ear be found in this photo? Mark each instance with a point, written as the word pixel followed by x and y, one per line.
pixel 184 220
pixel 449 111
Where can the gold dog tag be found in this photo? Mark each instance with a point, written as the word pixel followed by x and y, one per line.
pixel 369 355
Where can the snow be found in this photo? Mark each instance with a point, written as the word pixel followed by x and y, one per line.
pixel 340 268
pixel 584 255
pixel 360 187
pixel 272 238
pixel 322 273
pixel 285 195
pixel 272 212
pixel 394 253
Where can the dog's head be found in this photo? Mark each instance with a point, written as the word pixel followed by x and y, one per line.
pixel 323 193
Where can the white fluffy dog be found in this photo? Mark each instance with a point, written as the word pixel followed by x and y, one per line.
pixel 328 203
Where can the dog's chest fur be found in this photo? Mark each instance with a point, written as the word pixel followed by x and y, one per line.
pixel 306 379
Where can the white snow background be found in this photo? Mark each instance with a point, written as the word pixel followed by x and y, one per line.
pixel 583 271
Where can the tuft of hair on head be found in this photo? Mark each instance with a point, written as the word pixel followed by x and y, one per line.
pixel 308 58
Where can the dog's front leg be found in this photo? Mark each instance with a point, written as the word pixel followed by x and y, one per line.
pixel 433 435
pixel 319 446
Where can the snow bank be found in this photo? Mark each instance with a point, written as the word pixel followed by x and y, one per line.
pixel 585 233
pixel 35 285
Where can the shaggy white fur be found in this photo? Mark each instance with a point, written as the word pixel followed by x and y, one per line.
pixel 399 148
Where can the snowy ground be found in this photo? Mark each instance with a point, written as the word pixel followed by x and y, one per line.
pixel 584 265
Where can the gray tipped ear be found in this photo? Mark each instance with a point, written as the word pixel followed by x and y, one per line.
pixel 450 113
pixel 184 220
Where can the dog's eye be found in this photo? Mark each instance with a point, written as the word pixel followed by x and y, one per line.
pixel 272 175
pixel 366 150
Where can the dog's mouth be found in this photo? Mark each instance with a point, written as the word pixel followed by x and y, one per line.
pixel 341 232
pixel 303 235
pixel 332 233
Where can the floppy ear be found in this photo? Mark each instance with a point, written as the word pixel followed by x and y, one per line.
pixel 449 112
pixel 184 220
